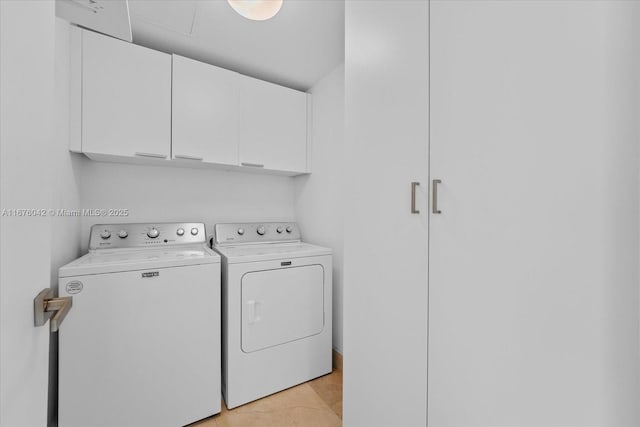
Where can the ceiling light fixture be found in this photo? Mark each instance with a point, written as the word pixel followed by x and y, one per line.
pixel 257 10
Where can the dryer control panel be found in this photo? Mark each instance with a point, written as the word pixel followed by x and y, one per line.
pixel 256 232
pixel 111 236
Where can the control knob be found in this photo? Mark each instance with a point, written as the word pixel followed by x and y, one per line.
pixel 180 231
pixel 153 233
pixel 123 234
pixel 105 234
pixel 261 230
pixel 241 231
pixel 279 230
pixel 194 231
pixel 289 229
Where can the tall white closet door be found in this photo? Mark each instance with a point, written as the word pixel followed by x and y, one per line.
pixel 533 289
pixel 385 245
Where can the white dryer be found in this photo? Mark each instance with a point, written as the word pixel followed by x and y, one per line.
pixel 141 345
pixel 276 305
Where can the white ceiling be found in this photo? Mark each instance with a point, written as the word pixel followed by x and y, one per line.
pixel 296 48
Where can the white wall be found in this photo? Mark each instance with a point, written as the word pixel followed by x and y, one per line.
pixel 165 194
pixel 319 196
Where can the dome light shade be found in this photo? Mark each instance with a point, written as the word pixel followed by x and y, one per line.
pixel 257 10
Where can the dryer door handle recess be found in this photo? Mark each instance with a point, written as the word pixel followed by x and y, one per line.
pixel 255 305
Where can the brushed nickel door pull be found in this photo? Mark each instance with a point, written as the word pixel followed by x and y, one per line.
pixel 434 196
pixel 253 165
pixel 185 157
pixel 45 307
pixel 152 155
pixel 413 197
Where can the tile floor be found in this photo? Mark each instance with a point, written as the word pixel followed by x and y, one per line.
pixel 316 403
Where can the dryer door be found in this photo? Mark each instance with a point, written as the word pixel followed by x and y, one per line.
pixel 280 306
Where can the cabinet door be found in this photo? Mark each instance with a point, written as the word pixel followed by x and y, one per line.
pixel 385 243
pixel 273 126
pixel 533 287
pixel 126 98
pixel 205 112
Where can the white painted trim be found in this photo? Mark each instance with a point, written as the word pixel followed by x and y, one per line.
pixel 309 131
pixel 75 90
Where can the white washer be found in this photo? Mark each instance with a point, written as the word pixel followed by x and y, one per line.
pixel 141 344
pixel 276 305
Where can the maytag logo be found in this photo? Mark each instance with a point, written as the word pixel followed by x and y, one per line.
pixel 151 274
pixel 74 287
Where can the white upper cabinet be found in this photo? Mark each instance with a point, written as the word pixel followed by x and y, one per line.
pixel 205 112
pixel 126 98
pixel 273 126
pixel 137 105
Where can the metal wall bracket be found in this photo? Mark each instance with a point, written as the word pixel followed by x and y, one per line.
pixel 46 307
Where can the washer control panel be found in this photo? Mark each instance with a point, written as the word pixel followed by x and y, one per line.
pixel 256 232
pixel 108 236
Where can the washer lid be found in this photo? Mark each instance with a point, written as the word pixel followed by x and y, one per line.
pixel 118 260
pixel 269 252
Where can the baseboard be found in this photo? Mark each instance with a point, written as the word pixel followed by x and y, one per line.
pixel 337 361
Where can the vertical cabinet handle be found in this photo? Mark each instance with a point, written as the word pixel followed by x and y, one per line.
pixel 184 156
pixel 153 155
pixel 413 197
pixel 253 165
pixel 434 196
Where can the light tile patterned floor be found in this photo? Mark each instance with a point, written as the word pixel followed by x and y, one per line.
pixel 316 403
